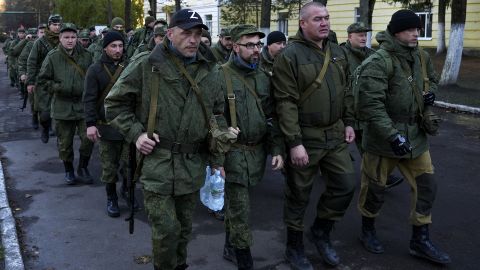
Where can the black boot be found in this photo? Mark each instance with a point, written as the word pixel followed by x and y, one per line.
pixel 321 238
pixel 295 252
pixel 181 267
pixel 83 172
pixel 44 136
pixel 369 236
pixel 112 200
pixel 392 181
pixel 69 173
pixel 228 250
pixel 421 246
pixel 244 258
pixel 35 121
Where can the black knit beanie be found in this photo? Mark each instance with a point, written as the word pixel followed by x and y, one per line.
pixel 402 20
pixel 112 36
pixel 275 36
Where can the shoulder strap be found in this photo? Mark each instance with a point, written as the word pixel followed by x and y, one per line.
pixel 71 62
pixel 113 79
pixel 194 87
pixel 416 92
pixel 318 81
pixel 46 44
pixel 231 97
pixel 152 114
pixel 388 61
pixel 426 80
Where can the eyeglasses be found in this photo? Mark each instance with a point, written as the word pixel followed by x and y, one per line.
pixel 251 45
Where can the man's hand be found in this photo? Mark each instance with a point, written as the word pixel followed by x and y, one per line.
pixel 146 145
pixel 349 134
pixel 221 169
pixel 299 156
pixel 93 134
pixel 400 145
pixel 30 88
pixel 277 162
pixel 23 78
pixel 234 131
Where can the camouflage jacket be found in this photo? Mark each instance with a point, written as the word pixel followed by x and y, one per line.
pixel 22 59
pixel 266 62
pixel 39 51
pixel 221 54
pixel 320 121
pixel 387 101
pixel 179 117
pixel 256 119
pixel 141 35
pixel 65 81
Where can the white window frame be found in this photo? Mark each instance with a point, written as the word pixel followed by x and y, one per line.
pixel 356 14
pixel 428 17
pixel 209 21
pixel 283 23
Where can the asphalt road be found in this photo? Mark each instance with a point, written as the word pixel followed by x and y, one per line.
pixel 66 227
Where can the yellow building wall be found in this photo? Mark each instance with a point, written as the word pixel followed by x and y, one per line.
pixel 342 14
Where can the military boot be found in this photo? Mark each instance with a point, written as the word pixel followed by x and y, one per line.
pixel 321 238
pixel 69 173
pixel 369 236
pixel 112 200
pixel 295 252
pixel 228 250
pixel 393 181
pixel 44 135
pixel 421 246
pixel 82 170
pixel 181 267
pixel 244 258
pixel 35 121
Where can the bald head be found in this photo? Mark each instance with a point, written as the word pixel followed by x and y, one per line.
pixel 305 11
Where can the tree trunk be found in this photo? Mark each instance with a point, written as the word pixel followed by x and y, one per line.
pixel 366 11
pixel 178 5
pixel 128 14
pixel 453 60
pixel 109 11
pixel 266 16
pixel 153 8
pixel 442 6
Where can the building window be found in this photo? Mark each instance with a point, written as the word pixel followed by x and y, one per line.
pixel 283 23
pixel 426 31
pixel 208 22
pixel 356 15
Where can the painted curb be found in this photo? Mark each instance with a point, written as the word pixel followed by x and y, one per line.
pixel 458 107
pixel 13 256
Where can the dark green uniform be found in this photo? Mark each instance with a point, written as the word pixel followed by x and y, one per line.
pixel 266 62
pixel 355 57
pixel 141 35
pixel 318 124
pixel 22 70
pixel 259 136
pixel 387 102
pixel 66 82
pixel 13 52
pixel 174 171
pixel 221 53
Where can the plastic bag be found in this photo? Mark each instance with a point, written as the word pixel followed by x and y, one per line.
pixel 212 192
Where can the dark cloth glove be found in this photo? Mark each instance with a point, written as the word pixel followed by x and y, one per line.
pixel 400 145
pixel 429 98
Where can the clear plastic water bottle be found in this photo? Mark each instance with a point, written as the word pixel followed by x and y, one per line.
pixel 217 186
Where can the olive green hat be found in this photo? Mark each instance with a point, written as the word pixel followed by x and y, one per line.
pixel 42 25
pixel 32 31
pixel 358 27
pixel 149 19
pixel 160 30
pixel 21 29
pixel 68 27
pixel 84 34
pixel 244 29
pixel 117 21
pixel 224 32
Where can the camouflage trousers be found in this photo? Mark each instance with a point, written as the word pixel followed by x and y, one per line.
pixel 337 171
pixel 237 211
pixel 171 220
pixel 65 130
pixel 419 174
pixel 114 155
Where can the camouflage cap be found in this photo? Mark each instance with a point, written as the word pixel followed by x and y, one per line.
pixel 224 32
pixel 84 34
pixel 32 31
pixel 55 18
pixel 42 26
pixel 244 29
pixel 21 30
pixel 160 30
pixel 358 27
pixel 117 21
pixel 68 27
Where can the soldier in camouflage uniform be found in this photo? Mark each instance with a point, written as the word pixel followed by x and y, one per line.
pixel 316 117
pixel 84 38
pixel 176 153
pixel 222 49
pixel 96 49
pixel 276 42
pixel 395 86
pixel 13 52
pixel 39 51
pixel 157 38
pixel 99 80
pixel 141 35
pixel 63 73
pixel 259 135
pixel 357 51
pixel 16 52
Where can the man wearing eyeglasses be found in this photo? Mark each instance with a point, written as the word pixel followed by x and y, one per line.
pixel 315 112
pixel 251 110
pixel 223 48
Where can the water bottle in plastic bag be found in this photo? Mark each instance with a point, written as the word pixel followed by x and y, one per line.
pixel 217 185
